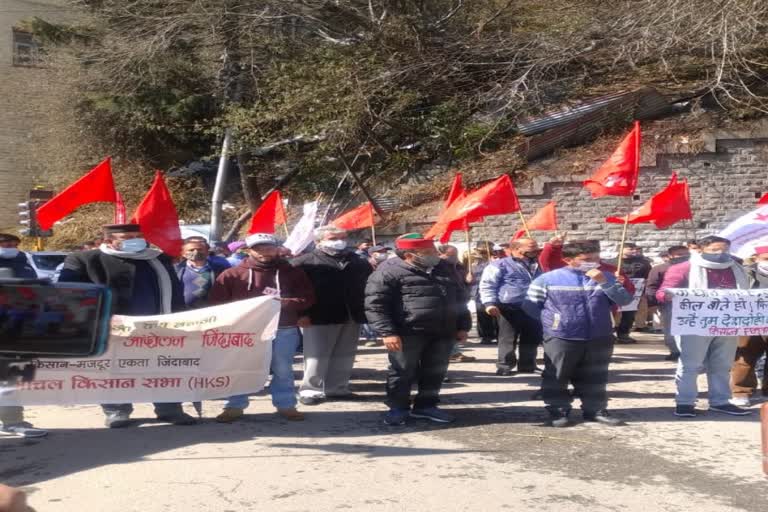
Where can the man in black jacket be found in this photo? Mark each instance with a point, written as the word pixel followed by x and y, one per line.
pixel 635 266
pixel 330 342
pixel 143 282
pixel 677 254
pixel 419 308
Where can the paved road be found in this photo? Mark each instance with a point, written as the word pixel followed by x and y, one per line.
pixel 498 456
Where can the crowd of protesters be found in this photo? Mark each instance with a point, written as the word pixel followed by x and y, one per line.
pixel 414 299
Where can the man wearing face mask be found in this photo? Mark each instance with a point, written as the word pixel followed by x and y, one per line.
pixel 450 254
pixel 198 271
pixel 11 258
pixel 711 268
pixel 419 307
pixel 377 254
pixel 264 272
pixel 503 288
pixel 574 305
pixel 752 348
pixel 338 276
pixel 143 282
pixel 635 266
pixel 676 254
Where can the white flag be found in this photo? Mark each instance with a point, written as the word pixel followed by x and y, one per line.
pixel 747 232
pixel 303 232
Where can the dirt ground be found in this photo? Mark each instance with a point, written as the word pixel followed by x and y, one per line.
pixel 497 456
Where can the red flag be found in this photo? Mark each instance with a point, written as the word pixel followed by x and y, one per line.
pixel 664 209
pixel 495 198
pixel 618 175
pixel 95 187
pixel 271 213
pixel 119 209
pixel 157 216
pixel 543 220
pixel 457 192
pixel 764 199
pixel 356 218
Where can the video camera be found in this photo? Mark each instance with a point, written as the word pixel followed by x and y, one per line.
pixel 40 319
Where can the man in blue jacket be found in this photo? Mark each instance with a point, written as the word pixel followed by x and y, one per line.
pixel 574 304
pixel 503 287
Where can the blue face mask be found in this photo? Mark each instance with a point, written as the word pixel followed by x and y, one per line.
pixel 133 245
pixel 716 257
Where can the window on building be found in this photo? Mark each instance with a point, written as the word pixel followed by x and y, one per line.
pixel 26 51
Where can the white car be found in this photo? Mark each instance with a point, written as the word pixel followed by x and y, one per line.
pixel 45 263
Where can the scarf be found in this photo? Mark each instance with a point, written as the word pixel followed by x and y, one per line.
pixel 697 278
pixel 150 256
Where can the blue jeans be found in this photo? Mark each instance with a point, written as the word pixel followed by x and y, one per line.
pixel 702 353
pixel 281 387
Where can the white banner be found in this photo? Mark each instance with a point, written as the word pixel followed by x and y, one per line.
pixel 639 284
pixel 719 312
pixel 303 232
pixel 747 232
pixel 183 357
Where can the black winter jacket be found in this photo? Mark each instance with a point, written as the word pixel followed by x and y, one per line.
pixel 19 266
pixel 339 283
pixel 402 299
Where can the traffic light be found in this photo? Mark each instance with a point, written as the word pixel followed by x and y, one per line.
pixel 28 218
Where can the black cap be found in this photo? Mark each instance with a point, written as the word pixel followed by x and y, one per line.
pixel 122 228
pixel 378 248
pixel 5 237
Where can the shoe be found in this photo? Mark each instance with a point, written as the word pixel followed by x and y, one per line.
pixel 604 418
pixel 685 411
pixel 461 358
pixel 741 401
pixel 23 429
pixel 504 372
pixel 230 414
pixel 447 380
pixel 625 340
pixel 118 420
pixel 346 397
pixel 730 409
pixel 370 344
pixel 559 419
pixel 310 400
pixel 486 341
pixel 180 419
pixel 672 357
pixel 535 369
pixel 291 414
pixel 396 417
pixel 433 414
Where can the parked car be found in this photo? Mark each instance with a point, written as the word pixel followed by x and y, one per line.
pixel 46 262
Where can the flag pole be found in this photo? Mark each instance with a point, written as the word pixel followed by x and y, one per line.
pixel 285 228
pixel 469 248
pixel 525 224
pixel 373 234
pixel 620 259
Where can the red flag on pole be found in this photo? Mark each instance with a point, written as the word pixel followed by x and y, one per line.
pixel 271 213
pixel 95 187
pixel 356 218
pixel 495 198
pixel 764 199
pixel 667 207
pixel 157 216
pixel 457 192
pixel 119 209
pixel 543 220
pixel 618 175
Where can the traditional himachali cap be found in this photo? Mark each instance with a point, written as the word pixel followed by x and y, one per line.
pixel 414 241
pixel 121 228
pixel 236 246
pixel 261 239
pixel 761 250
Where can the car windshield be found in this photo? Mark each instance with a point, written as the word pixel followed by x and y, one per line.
pixel 48 261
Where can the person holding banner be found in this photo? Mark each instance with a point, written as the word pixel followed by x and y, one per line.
pixel 419 307
pixel 503 288
pixel 338 276
pixel 675 254
pixel 637 267
pixel 711 268
pixel 198 271
pixel 264 272
pixel 143 282
pixel 752 348
pixel 574 306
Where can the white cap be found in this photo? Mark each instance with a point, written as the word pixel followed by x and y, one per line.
pixel 261 239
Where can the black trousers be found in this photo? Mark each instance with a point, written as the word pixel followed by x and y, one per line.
pixel 487 326
pixel 422 361
pixel 517 327
pixel 626 323
pixel 581 363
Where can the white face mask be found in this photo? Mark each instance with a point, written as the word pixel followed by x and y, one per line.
pixel 334 245
pixel 586 266
pixel 133 245
pixel 380 256
pixel 762 267
pixel 8 253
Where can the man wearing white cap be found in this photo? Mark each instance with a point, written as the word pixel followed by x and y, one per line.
pixel 262 273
